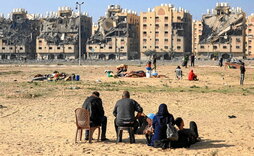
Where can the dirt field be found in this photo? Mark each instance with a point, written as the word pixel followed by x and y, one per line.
pixel 38 118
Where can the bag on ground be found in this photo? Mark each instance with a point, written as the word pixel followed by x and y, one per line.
pixel 172 133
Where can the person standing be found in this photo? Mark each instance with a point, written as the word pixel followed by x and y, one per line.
pixel 124 112
pixel 221 61
pixel 93 104
pixel 185 61
pixel 192 60
pixel 154 62
pixel 242 72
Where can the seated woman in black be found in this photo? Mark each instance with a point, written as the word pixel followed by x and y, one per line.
pixel 160 121
pixel 186 137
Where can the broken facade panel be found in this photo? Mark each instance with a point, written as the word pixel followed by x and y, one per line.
pixel 223 31
pixel 17 35
pixel 117 35
pixel 59 35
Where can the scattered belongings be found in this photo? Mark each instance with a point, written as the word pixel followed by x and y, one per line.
pixel 98 81
pixel 56 76
pixel 231 116
pixel 73 88
pixel 234 64
pixel 139 73
pixel 109 73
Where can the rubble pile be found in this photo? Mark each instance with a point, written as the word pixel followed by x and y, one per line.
pixel 221 23
pixel 111 25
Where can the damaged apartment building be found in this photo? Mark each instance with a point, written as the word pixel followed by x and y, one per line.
pixel 222 32
pixel 59 34
pixel 165 31
pixel 18 34
pixel 116 35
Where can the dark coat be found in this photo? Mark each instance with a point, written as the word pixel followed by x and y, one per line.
pixel 160 122
pixel 124 110
pixel 94 106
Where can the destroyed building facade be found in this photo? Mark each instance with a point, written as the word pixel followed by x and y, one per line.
pixel 18 34
pixel 117 35
pixel 59 34
pixel 223 32
pixel 166 30
pixel 250 36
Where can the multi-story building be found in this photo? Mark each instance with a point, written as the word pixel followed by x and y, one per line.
pixel 165 30
pixel 250 36
pixel 116 36
pixel 197 29
pixel 18 35
pixel 59 35
pixel 223 32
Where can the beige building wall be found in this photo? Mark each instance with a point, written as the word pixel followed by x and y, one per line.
pixel 250 36
pixel 4 48
pixel 115 44
pixel 159 30
pixel 197 29
pixel 44 47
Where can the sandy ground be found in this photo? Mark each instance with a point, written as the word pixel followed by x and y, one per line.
pixel 38 118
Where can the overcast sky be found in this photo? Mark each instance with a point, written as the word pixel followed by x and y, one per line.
pixel 97 8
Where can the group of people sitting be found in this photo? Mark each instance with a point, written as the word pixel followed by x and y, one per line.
pixel 191 76
pixel 153 126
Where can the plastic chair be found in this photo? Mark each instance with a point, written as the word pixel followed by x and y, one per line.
pixel 120 134
pixel 83 123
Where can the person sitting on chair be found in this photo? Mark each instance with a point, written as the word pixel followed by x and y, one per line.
pixel 93 104
pixel 124 112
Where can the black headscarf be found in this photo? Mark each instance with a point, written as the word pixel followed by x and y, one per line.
pixel 162 114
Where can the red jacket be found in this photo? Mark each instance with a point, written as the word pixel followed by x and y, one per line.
pixel 191 75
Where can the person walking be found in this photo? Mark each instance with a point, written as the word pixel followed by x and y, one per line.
pixel 154 62
pixel 221 61
pixel 242 73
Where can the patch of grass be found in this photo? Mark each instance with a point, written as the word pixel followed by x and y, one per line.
pixel 10 72
pixel 194 86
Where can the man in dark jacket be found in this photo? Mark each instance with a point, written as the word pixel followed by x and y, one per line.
pixel 93 104
pixel 192 60
pixel 186 137
pixel 242 70
pixel 124 112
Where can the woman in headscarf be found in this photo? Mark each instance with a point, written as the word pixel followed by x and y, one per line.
pixel 160 121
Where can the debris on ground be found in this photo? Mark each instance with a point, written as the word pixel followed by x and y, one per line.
pixel 231 116
pixel 56 76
